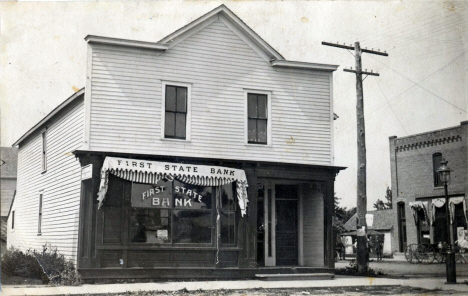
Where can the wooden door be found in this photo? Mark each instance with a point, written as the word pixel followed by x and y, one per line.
pixel 286 204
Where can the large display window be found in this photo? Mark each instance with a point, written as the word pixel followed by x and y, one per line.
pixel 175 213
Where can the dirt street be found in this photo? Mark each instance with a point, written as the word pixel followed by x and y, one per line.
pixel 408 270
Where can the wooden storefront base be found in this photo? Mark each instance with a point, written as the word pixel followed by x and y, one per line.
pixel 92 275
pixel 113 257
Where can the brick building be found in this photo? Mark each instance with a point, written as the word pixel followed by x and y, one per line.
pixel 418 194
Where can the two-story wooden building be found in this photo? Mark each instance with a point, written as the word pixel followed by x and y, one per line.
pixel 206 154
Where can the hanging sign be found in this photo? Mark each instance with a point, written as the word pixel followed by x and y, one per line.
pixel 151 172
pixel 87 172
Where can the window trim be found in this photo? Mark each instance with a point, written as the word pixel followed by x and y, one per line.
pixel 246 116
pixel 44 151
pixel 188 120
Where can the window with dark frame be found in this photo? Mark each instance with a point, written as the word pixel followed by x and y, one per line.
pixel 186 219
pixel 39 221
pixel 228 205
pixel 44 151
pixel 436 160
pixel 13 220
pixel 175 112
pixel 257 118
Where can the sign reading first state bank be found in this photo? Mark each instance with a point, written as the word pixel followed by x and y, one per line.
pixel 169 193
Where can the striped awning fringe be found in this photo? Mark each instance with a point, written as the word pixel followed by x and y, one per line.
pixel 155 171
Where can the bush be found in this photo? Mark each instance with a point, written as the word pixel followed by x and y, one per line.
pixel 48 265
pixel 352 269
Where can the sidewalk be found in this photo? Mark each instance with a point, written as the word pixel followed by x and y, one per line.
pixel 339 281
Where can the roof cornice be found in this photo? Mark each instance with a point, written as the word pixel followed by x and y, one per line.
pixel 125 42
pixel 50 115
pixel 303 65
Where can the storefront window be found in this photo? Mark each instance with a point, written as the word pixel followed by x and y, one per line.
pixel 228 214
pixel 151 226
pixel 192 227
pixel 171 212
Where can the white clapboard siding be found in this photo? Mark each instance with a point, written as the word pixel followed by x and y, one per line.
pixel 313 227
pixel 126 97
pixel 60 186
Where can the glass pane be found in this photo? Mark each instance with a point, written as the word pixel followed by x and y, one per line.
pixel 181 99
pixel 192 227
pixel 151 226
pixel 170 98
pixel 180 125
pixel 169 129
pixel 228 228
pixel 262 131
pixel 112 228
pixel 192 197
pixel 252 130
pixel 252 105
pixel 262 107
pixel 228 197
pixel 155 196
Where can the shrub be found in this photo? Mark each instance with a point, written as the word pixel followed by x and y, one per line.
pixel 48 265
pixel 352 269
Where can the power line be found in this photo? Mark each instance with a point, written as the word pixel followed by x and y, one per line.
pixel 418 84
pixel 398 119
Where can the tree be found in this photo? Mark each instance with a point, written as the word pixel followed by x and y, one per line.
pixel 342 214
pixel 381 205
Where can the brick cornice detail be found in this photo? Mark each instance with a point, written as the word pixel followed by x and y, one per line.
pixel 428 143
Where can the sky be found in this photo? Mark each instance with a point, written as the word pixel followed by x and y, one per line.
pixel 422 84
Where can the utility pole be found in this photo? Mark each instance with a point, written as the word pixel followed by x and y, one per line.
pixel 361 225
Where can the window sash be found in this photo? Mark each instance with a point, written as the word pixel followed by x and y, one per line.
pixel 257 105
pixel 436 160
pixel 39 222
pixel 176 112
pixel 44 151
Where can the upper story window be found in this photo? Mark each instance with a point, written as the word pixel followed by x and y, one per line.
pixel 12 219
pixel 436 159
pixel 39 220
pixel 44 151
pixel 258 118
pixel 176 111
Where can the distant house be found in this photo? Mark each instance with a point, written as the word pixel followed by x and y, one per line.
pixel 8 171
pixel 206 154
pixel 382 223
pixel 418 194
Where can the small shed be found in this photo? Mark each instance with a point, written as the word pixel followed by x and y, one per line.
pixel 383 224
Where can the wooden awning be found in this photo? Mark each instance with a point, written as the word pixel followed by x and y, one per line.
pixel 150 172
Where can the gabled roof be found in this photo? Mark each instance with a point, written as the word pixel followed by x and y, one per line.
pixel 274 57
pixel 8 162
pixel 50 115
pixel 383 220
pixel 226 12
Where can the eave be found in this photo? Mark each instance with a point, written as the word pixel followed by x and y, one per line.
pixel 303 65
pixel 125 42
